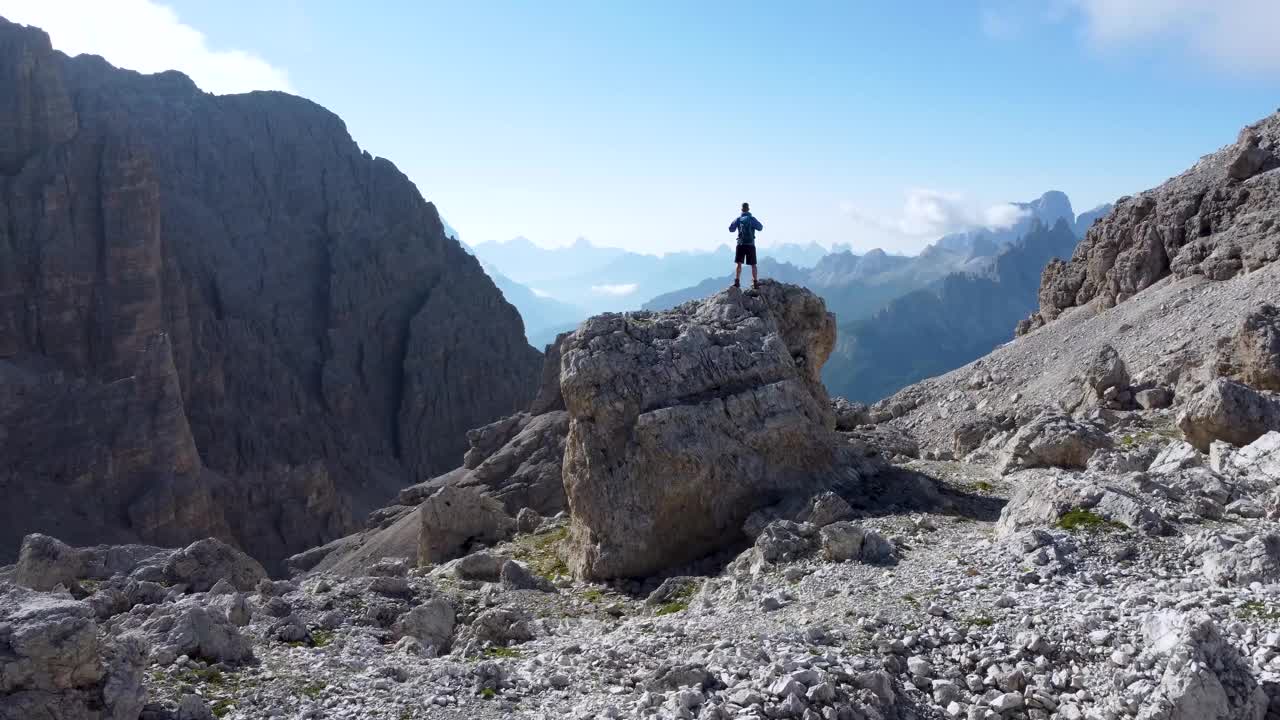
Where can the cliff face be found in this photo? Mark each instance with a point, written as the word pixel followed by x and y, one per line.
pixel 1216 220
pixel 222 299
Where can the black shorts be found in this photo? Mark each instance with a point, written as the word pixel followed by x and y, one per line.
pixel 745 253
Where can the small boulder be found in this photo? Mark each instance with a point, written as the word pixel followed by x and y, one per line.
pixel 452 518
pixel 528 520
pixel 825 509
pixel 431 624
pixel 1255 348
pixel 1231 411
pixel 501 626
pixel 1156 398
pixel 850 415
pixel 45 562
pixel 483 566
pixel 1104 370
pixel 203 563
pixel 842 541
pixel 1176 456
pixel 517 577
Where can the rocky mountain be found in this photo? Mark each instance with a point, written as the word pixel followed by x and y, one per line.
pixel 543 317
pixel 219 317
pixel 1080 524
pixel 1046 210
pixel 955 320
pixel 770 268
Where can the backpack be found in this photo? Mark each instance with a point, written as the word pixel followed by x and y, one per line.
pixel 746 230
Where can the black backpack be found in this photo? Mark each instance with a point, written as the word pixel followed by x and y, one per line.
pixel 746 230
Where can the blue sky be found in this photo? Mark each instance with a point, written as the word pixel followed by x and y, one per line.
pixel 644 125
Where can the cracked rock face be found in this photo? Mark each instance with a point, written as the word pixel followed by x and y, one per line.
pixel 681 423
pixel 214 304
pixel 1217 219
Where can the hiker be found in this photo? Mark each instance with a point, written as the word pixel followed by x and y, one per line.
pixel 746 226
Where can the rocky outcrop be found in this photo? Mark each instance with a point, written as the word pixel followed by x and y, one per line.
pixel 54 665
pixel 681 423
pixel 1253 356
pixel 214 304
pixel 1055 498
pixel 1052 440
pixel 1230 411
pixel 453 518
pixel 1215 220
pixel 1204 676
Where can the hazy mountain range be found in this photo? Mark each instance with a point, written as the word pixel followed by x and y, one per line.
pixel 959 292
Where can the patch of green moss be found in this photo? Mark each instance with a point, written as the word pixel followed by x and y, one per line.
pixel 982 621
pixel 202 676
pixel 1258 610
pixel 911 600
pixel 593 595
pixel 321 637
pixel 674 606
pixel 502 652
pixel 541 552
pixel 984 486
pixel 314 688
pixel 221 707
pixel 1082 520
pixel 488 693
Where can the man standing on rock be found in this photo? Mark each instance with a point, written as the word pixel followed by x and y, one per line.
pixel 746 226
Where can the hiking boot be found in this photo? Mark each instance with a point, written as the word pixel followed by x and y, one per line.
pixel 755 284
pixel 737 284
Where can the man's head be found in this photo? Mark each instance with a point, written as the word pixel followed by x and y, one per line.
pixel 746 207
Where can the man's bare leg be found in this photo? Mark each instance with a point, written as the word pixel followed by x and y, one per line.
pixel 755 277
pixel 737 276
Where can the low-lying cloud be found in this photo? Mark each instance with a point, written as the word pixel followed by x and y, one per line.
pixel 1239 34
pixel 930 214
pixel 148 37
pixel 615 290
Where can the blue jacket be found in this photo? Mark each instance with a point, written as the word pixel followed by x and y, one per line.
pixel 748 220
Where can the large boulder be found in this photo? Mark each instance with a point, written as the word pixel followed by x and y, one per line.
pixel 430 623
pixel 203 563
pixel 1230 411
pixel 1204 677
pixel 1052 440
pixel 683 422
pixel 54 666
pixel 1046 498
pixel 454 518
pixel 1258 461
pixel 1238 560
pixel 192 629
pixel 45 562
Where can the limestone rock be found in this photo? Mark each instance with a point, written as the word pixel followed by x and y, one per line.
pixel 1231 411
pixel 196 631
pixel 1204 678
pixel 1259 460
pixel 842 541
pixel 1206 221
pixel 431 623
pixel 1231 561
pixel 684 422
pixel 1156 398
pixel 1043 497
pixel 55 666
pixel 1052 440
pixel 45 563
pixel 203 563
pixel 1177 456
pixel 219 290
pixel 850 415
pixel 1254 355
pixel 526 471
pixel 453 518
pixel 1105 370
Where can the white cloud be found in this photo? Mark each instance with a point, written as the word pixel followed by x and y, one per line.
pixel 930 214
pixel 539 293
pixel 148 37
pixel 1238 34
pixel 615 290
